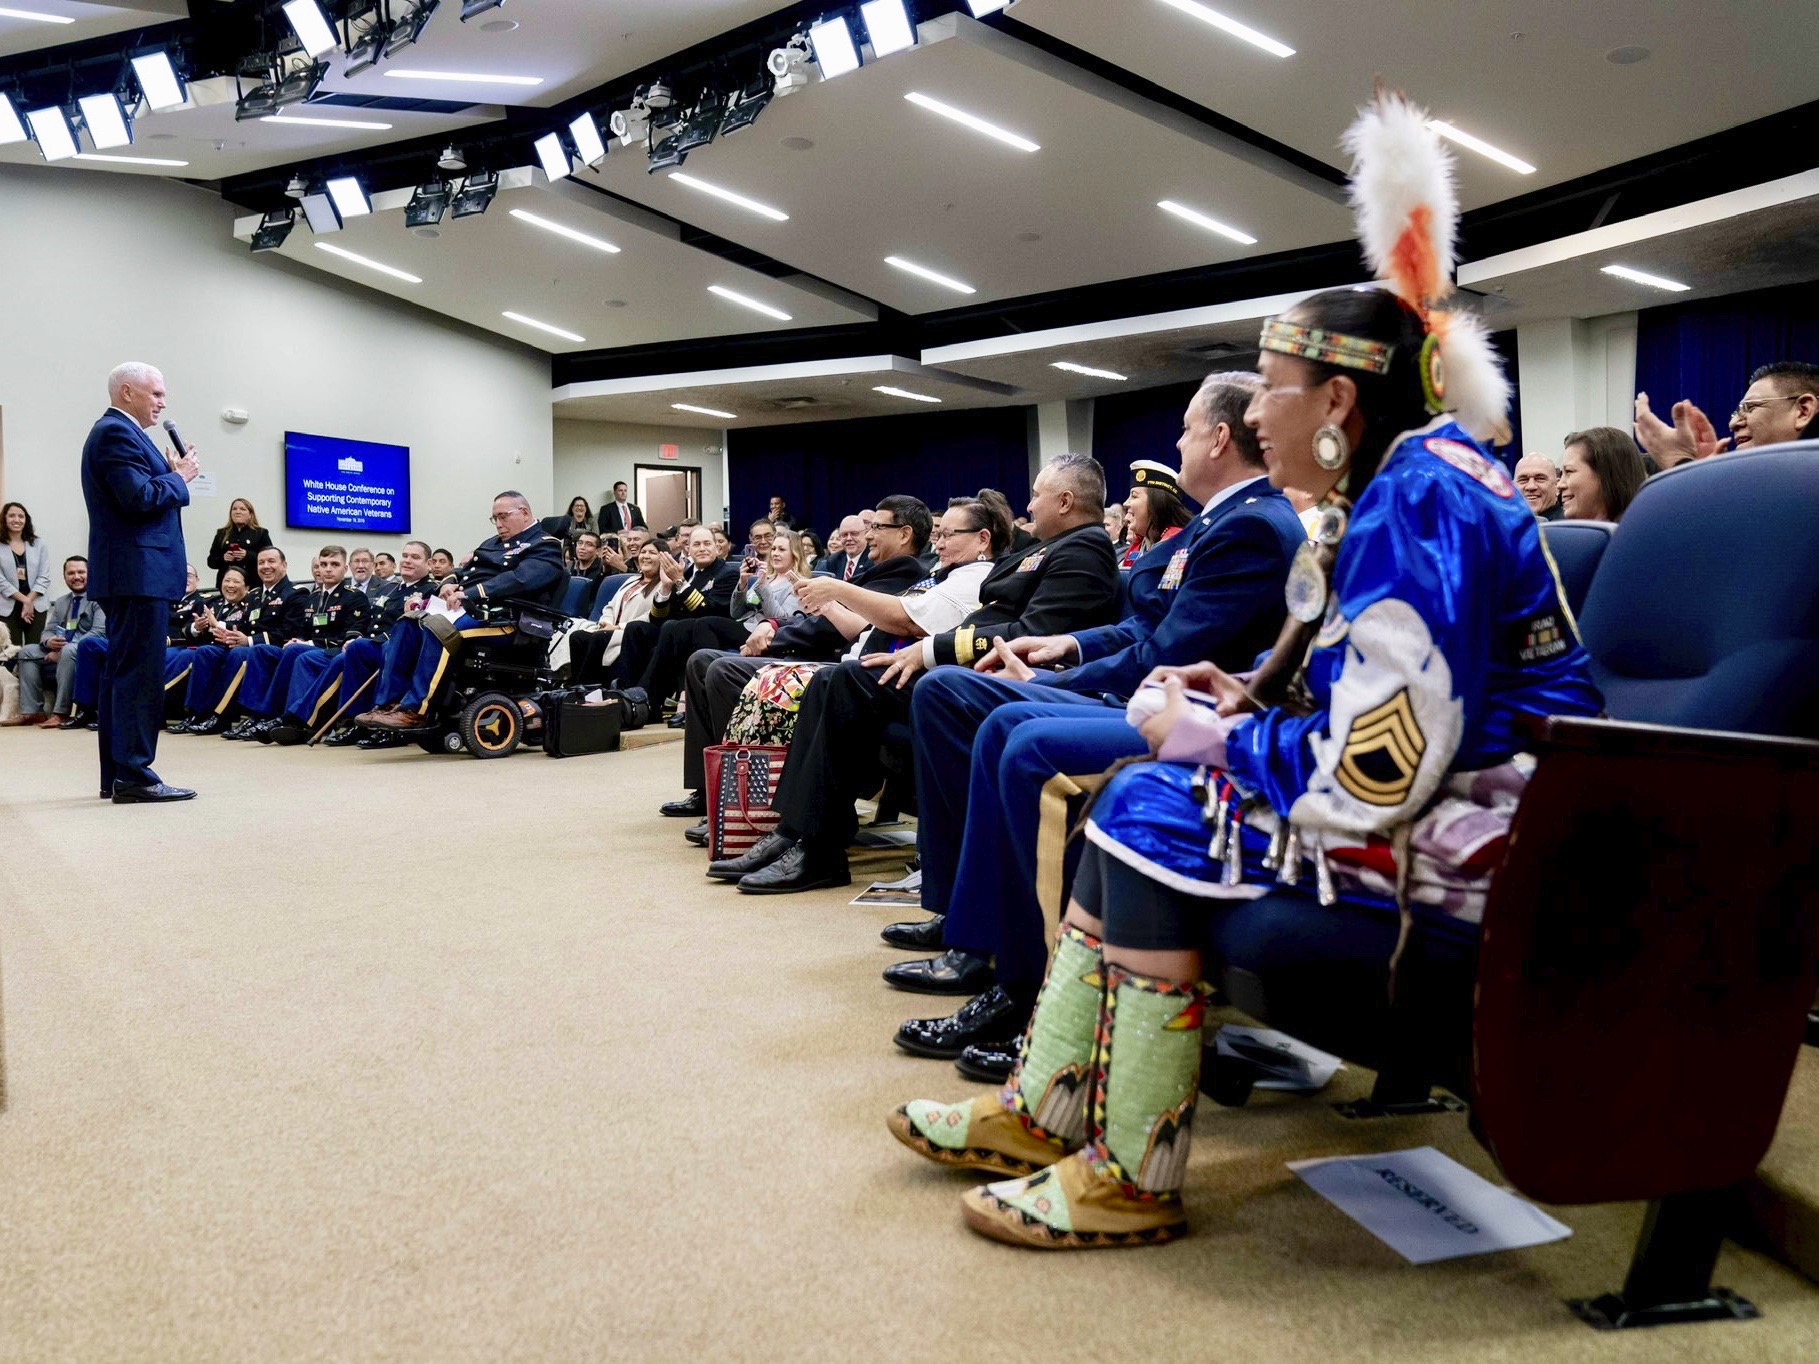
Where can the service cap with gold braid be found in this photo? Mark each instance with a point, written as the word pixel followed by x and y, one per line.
pixel 1149 473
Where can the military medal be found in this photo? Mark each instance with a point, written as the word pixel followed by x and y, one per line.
pixel 1306 588
pixel 1221 826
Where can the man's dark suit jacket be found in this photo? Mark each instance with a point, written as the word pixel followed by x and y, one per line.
pixel 1066 583
pixel 610 517
pixel 836 565
pixel 135 530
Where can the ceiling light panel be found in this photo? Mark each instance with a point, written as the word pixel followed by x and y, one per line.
pixel 1089 371
pixel 463 77
pixel 131 160
pixel 106 122
pixel 35 16
pixel 932 276
pixel 834 50
pixel 1643 277
pixel 56 139
pixel 903 393
pixel 1199 219
pixel 973 121
pixel 1479 145
pixel 292 121
pixel 1206 14
pixel 313 30
pixel 561 230
pixel 706 411
pixel 746 301
pixel 887 24
pixel 368 262
pixel 693 182
pixel 544 327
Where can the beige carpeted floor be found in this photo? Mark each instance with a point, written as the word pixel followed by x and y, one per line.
pixel 399 1057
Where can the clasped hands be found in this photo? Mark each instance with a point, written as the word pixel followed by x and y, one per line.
pixel 1231 704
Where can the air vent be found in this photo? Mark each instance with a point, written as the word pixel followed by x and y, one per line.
pixel 799 403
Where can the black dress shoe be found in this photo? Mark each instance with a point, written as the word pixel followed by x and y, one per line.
pixel 287 735
pixel 241 728
pixel 952 973
pixel 990 1064
pixel 203 724
pixel 799 868
pixel 994 1018
pixel 760 855
pixel 344 737
pixel 72 722
pixel 691 806
pixel 697 834
pixel 677 721
pixel 266 731
pixel 150 795
pixel 918 937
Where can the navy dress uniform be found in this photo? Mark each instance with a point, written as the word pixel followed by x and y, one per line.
pixel 705 590
pixel 993 847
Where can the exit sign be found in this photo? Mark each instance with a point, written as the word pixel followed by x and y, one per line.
pixel 669 452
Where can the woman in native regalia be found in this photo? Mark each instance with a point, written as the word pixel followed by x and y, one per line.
pixel 1372 763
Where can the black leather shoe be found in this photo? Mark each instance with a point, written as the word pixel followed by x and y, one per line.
pixel 988 1063
pixel 380 738
pixel 691 806
pixel 919 937
pixel 697 834
pixel 266 731
pixel 241 728
pixel 677 721
pixel 72 721
pixel 992 1019
pixel 203 724
pixel 760 855
pixel 952 973
pixel 798 869
pixel 287 734
pixel 150 795
pixel 344 737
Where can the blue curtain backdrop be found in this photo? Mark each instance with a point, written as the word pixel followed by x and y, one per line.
pixel 1141 425
pixel 827 470
pixel 1705 351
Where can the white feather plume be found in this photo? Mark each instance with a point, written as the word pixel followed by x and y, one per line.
pixel 1477 393
pixel 1399 164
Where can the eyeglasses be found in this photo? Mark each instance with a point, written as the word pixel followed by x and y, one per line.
pixel 1745 409
pixel 888 525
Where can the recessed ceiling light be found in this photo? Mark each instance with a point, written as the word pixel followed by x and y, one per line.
pixel 129 160
pixel 934 276
pixel 1089 371
pixel 973 121
pixel 1626 56
pixel 464 77
pixel 1207 15
pixel 543 326
pixel 744 301
pixel 776 215
pixel 362 125
pixel 36 17
pixel 706 411
pixel 1199 219
pixel 1479 145
pixel 904 393
pixel 1643 277
pixel 370 264
pixel 561 231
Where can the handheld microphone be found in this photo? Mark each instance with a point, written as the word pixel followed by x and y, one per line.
pixel 170 428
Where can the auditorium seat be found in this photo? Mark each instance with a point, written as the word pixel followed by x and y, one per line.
pixel 575 596
pixel 604 593
pixel 1576 548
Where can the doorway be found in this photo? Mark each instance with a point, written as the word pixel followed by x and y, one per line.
pixel 667 494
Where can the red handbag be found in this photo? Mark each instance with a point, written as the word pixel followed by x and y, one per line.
pixel 741 790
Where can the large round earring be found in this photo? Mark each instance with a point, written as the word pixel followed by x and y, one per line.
pixel 1331 449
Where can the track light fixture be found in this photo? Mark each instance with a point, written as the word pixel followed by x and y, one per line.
pixel 427 204
pixel 107 121
pixel 451 159
pixel 584 133
pixel 788 65
pixel 633 123
pixel 160 85
pixel 319 211
pixel 12 127
pixel 835 52
pixel 744 106
pixel 284 80
pixel 475 195
pixel 695 128
pixel 311 26
pixel 553 156
pixel 52 131
pixel 473 8
pixel 273 228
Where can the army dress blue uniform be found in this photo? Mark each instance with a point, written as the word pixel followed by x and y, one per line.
pixel 325 618
pixel 346 673
pixel 91 652
pixel 992 847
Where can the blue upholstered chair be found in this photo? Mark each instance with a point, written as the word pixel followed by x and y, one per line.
pixel 604 593
pixel 575 596
pixel 1577 547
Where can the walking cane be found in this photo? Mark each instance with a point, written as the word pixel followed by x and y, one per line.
pixel 345 707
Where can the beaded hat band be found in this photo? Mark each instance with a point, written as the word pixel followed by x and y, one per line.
pixel 1328 347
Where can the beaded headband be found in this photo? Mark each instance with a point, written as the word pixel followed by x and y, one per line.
pixel 1328 347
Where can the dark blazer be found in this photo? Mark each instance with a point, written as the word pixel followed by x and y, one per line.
pixel 612 519
pixel 135 527
pixel 1067 582
pixel 702 592
pixel 527 565
pixel 252 539
pixel 836 564
pixel 1210 594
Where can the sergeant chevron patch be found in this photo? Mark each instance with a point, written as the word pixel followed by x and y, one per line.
pixel 1382 753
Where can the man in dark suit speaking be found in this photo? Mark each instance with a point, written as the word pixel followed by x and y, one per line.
pixel 134 494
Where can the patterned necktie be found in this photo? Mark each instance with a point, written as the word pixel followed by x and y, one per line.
pixel 849 568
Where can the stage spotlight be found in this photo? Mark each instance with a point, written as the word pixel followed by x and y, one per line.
pixel 107 123
pixel 451 159
pixel 12 129
pixel 428 204
pixel 658 95
pixel 835 52
pixel 295 189
pixel 274 228
pixel 471 8
pixel 349 196
pixel 51 127
pixel 632 124
pixel 887 24
pixel 475 195
pixel 368 44
pixel 319 212
pixel 788 65
pixel 312 28
pixel 696 128
pixel 585 134
pixel 553 156
pixel 159 82
pixel 299 83
pixel 744 106
pixel 408 29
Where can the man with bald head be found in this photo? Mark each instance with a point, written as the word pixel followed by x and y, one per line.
pixel 135 494
pixel 850 556
pixel 1539 482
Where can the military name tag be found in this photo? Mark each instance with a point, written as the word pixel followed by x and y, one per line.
pixel 1176 570
pixel 319 619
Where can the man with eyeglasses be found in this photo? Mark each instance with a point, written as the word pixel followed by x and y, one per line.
pixel 521 560
pixel 1780 404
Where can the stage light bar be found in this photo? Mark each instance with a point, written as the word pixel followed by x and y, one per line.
pixel 350 198
pixel 1479 145
pixel 1225 24
pixel 274 228
pixel 427 204
pixel 903 393
pixel 544 327
pixel 776 215
pixel 934 277
pixel 589 145
pixel 106 121
pixel 12 128
pixel 745 301
pixel 319 212
pixel 834 50
pixel 1199 219
pixel 159 82
pixel 1089 371
pixel 561 230
pixel 973 121
pixel 706 411
pixel 1643 277
pixel 553 156
pixel 56 139
pixel 312 28
pixel 475 195
pixel 887 24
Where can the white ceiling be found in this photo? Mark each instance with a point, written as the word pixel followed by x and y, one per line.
pixel 89 19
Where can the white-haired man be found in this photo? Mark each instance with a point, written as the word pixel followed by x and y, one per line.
pixel 135 495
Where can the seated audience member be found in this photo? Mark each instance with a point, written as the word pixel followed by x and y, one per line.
pixel 320 621
pixel 50 663
pixel 1114 527
pixel 1539 483
pixel 594 648
pixel 237 544
pixel 619 549
pixel 780 516
pixel 704 588
pixel 580 520
pixel 723 543
pixel 1069 581
pixel 385 569
pixel 363 573
pixel 1599 474
pixel 988 743
pixel 219 626
pixel 25 574
pixel 354 672
pixel 520 561
pixel 1021 539
pixel 814 551
pixel 620 514
pixel 441 565
pixel 1781 402
pixel 586 561
pixel 218 673
pixel 1154 511
pixel 91 653
pixel 715 679
pixel 851 555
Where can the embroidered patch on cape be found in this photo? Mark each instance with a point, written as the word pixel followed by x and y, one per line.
pixel 1334 628
pixel 1382 752
pixel 1539 637
pixel 1173 574
pixel 1467 460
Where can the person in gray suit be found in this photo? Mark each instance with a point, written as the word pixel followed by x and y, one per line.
pixel 50 664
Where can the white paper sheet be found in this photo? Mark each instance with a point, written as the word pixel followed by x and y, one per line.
pixel 1292 1064
pixel 1426 1206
